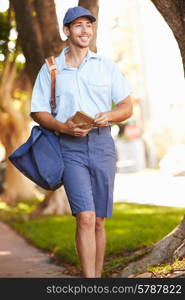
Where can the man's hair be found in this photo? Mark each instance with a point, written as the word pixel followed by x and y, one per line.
pixel 68 24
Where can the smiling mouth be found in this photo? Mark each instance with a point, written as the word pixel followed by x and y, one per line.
pixel 84 38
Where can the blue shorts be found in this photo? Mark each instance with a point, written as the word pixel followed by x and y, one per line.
pixel 90 164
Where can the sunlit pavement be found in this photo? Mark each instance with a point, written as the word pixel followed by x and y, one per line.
pixel 150 187
pixel 18 258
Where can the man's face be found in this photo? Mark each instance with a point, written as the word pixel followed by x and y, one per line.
pixel 80 32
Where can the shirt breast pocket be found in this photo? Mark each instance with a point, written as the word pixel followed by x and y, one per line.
pixel 99 87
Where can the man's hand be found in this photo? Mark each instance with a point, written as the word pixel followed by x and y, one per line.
pixel 102 119
pixel 121 112
pixel 74 129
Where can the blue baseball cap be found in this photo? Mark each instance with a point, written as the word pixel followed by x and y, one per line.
pixel 77 12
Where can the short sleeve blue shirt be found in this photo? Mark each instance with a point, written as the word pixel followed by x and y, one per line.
pixel 90 88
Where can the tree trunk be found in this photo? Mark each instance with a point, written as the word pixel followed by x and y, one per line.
pixel 14 130
pixel 55 203
pixel 17 187
pixel 173 11
pixel 14 133
pixel 52 43
pixel 164 250
pixel 29 35
pixel 180 251
pixel 39 36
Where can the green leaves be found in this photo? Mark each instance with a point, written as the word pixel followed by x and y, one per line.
pixel 4 32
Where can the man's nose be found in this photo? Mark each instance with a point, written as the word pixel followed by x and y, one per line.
pixel 84 29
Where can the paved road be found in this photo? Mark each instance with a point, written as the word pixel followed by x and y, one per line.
pixel 150 187
pixel 20 259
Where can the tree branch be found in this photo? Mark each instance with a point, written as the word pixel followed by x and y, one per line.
pixel 30 35
pixel 47 18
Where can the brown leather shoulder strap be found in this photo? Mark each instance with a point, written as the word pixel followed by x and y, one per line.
pixel 50 61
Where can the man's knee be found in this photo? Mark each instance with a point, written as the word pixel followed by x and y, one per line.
pixel 86 219
pixel 99 225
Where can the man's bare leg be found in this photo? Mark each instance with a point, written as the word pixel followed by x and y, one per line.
pixel 85 242
pixel 100 245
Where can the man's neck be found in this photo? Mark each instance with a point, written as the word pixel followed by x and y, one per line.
pixel 75 56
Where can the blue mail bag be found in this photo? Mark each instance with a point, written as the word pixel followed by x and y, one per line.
pixel 40 158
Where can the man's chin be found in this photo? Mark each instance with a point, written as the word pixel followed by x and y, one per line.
pixel 83 46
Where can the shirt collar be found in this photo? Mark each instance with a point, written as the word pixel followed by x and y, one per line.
pixel 90 54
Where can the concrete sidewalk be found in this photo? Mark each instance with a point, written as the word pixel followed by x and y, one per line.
pixel 20 259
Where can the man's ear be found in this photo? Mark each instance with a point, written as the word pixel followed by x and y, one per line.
pixel 66 30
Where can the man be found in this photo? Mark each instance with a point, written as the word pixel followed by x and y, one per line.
pixel 86 82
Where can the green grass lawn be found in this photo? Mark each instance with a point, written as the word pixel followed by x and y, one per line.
pixel 130 231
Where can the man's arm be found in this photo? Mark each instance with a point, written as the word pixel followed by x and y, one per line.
pixel 121 112
pixel 47 121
